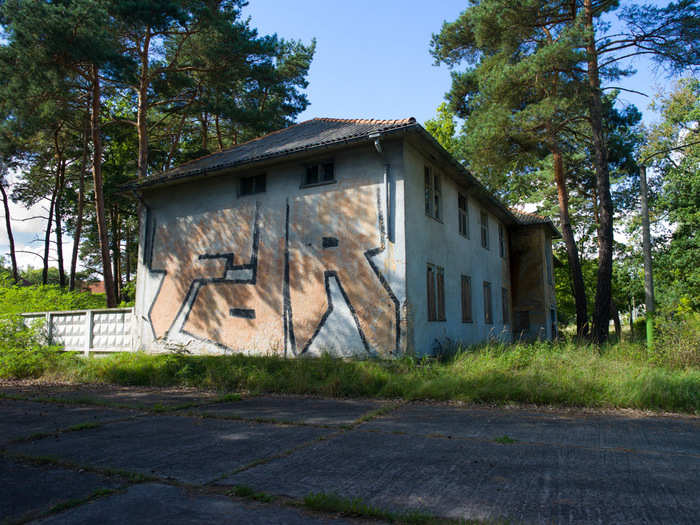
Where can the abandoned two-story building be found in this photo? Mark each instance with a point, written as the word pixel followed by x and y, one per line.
pixel 352 237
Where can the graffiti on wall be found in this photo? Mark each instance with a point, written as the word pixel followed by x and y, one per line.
pixel 259 278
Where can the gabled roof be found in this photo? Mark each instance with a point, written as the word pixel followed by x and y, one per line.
pixel 307 135
pixel 527 219
pixel 321 133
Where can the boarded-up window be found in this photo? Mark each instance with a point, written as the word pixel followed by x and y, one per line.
pixel 505 302
pixel 436 293
pixel 440 294
pixel 466 299
pixel 432 313
pixel 485 230
pixel 463 211
pixel 488 304
pixel 501 241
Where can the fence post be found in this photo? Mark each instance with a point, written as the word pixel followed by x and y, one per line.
pixel 48 328
pixel 88 332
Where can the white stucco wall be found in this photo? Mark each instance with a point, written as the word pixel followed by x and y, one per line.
pixel 359 171
pixel 439 243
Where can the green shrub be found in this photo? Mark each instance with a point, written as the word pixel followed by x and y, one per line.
pixel 23 352
pixel 677 341
pixel 17 299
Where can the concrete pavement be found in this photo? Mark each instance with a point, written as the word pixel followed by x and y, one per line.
pixel 79 455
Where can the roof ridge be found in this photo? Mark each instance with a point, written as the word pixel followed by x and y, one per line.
pixel 397 122
pixel 403 121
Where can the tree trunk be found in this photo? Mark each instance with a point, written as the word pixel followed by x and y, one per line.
pixel 219 138
pixel 10 236
pixel 616 320
pixel 127 255
pixel 81 203
pixel 97 179
pixel 571 248
pixel 49 225
pixel 116 252
pixel 142 108
pixel 601 315
pixel 204 123
pixel 59 228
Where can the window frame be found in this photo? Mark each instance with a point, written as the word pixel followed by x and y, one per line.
pixel 254 180
pixel 463 215
pixel 505 306
pixel 435 290
pixel 320 167
pixel 548 261
pixel 488 303
pixel 432 187
pixel 468 311
pixel 484 222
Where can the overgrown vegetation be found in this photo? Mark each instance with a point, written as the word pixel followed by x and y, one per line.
pixel 563 373
pixel 16 299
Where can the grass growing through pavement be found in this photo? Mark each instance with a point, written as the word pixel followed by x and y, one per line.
pixel 543 373
pixel 356 508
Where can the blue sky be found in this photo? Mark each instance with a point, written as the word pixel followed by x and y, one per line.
pixel 373 57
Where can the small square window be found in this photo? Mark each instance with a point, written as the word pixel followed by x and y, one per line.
pixel 319 174
pixel 311 175
pixel 252 185
pixel 328 174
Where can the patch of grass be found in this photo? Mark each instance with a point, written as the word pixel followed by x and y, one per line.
pixel 82 426
pixel 228 398
pixel 356 508
pixel 244 491
pixel 563 373
pixel 505 440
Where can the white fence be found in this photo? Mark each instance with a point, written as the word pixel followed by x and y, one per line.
pixel 88 330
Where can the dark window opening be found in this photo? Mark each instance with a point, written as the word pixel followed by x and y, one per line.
pixel 466 299
pixel 436 293
pixel 488 307
pixel 319 173
pixel 463 214
pixel 433 194
pixel 505 302
pixel 501 241
pixel 252 185
pixel 484 230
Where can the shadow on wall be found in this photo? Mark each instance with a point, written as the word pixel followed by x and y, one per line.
pixel 257 277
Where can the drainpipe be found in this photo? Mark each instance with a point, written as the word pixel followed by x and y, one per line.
pixel 377 137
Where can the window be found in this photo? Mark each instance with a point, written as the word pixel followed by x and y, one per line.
pixel 485 230
pixel 436 293
pixel 319 173
pixel 488 310
pixel 505 301
pixel 548 261
pixel 466 299
pixel 463 208
pixel 501 241
pixel 252 185
pixel 433 194
pixel 553 317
